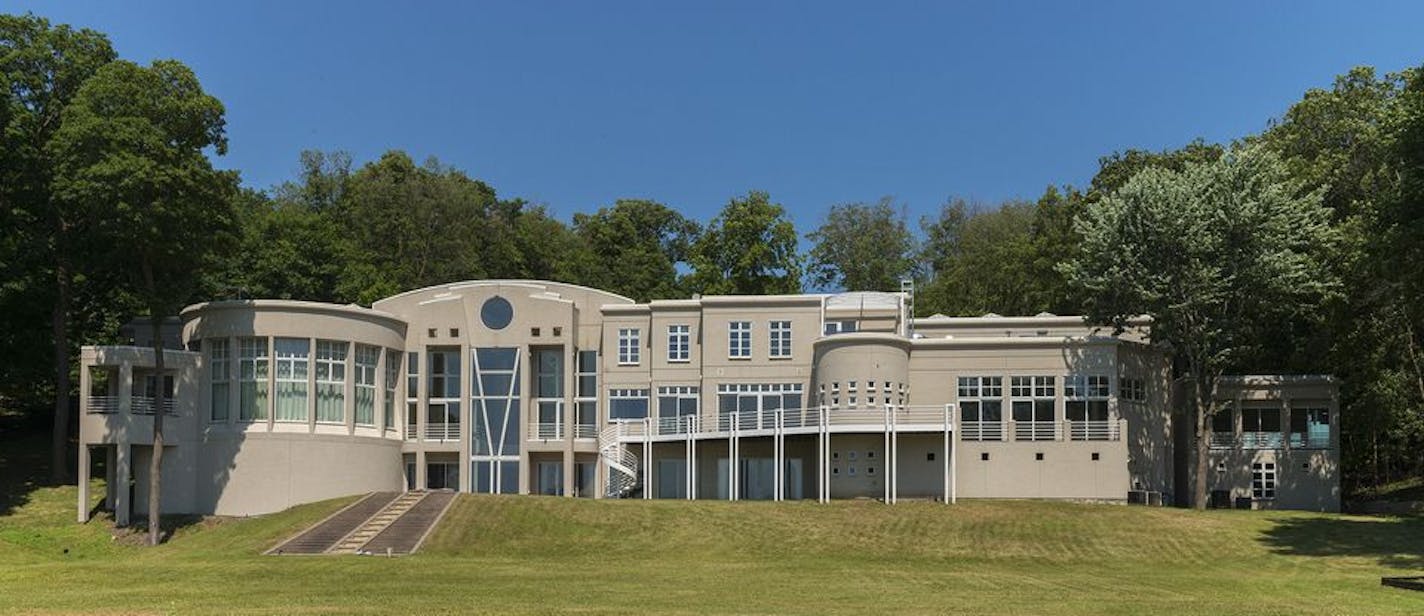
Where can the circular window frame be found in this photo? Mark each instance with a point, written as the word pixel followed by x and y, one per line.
pixel 496 320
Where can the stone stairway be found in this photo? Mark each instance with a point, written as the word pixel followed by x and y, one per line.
pixel 356 540
pixel 406 533
pixel 325 534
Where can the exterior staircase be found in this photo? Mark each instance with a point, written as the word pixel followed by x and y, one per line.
pixel 622 464
pixel 379 523
pixel 363 534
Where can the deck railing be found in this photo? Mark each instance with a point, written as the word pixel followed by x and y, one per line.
pixel 442 431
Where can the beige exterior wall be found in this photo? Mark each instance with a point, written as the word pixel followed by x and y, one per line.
pixel 240 467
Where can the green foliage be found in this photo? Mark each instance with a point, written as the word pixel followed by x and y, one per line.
pixel 862 247
pixel 130 157
pixel 1216 254
pixel 981 260
pixel 748 249
pixel 636 247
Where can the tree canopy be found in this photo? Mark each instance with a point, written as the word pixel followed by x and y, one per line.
pixel 1215 253
pixel 862 247
pixel 750 248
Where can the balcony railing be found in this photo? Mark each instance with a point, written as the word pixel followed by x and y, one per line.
pixel 1270 440
pixel 1099 430
pixel 981 431
pixel 442 431
pixel 1035 430
pixel 768 420
pixel 138 405
pixel 103 404
pixel 585 431
pixel 546 431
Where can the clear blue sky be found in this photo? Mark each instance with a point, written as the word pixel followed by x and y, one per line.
pixel 576 104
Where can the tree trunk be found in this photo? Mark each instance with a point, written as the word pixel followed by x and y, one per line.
pixel 160 396
pixel 59 323
pixel 1203 402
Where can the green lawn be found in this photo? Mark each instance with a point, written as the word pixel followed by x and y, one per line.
pixel 540 554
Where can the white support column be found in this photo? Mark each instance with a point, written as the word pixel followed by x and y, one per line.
pixel 885 433
pixel 83 482
pixel 734 446
pixel 693 471
pixel 647 458
pixel 948 468
pixel 687 467
pixel 777 458
pixel 894 461
pixel 123 473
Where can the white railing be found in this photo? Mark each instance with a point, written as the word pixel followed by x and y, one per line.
pixel 411 431
pixel 1035 430
pixel 1262 440
pixel 585 431
pixel 936 417
pixel 1093 430
pixel 143 405
pixel 622 464
pixel 103 404
pixel 442 431
pixel 981 431
pixel 546 431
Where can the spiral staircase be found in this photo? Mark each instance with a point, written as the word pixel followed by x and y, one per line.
pixel 622 464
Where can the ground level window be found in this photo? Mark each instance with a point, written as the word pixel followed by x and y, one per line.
pixel 1263 480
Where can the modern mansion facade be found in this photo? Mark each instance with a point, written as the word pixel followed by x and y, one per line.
pixel 532 387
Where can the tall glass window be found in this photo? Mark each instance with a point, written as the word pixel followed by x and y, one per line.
pixel 981 407
pixel 331 381
pixel 586 396
pixel 392 373
pixel 628 347
pixel 739 339
pixel 679 343
pixel 781 339
pixel 252 373
pixel 221 364
pixel 627 403
pixel 1033 401
pixel 549 393
pixel 442 411
pixel 748 405
pixel 293 356
pixel 368 358
pixel 677 409
pixel 495 406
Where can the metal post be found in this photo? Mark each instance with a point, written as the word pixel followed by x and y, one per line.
pixel 647 458
pixel 894 461
pixel 886 448
pixel 946 463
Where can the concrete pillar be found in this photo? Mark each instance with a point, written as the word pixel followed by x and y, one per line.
pixel 110 482
pixel 83 483
pixel 123 477
pixel 421 481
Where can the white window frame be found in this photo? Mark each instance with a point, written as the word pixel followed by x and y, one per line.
pixel 391 371
pixel 629 341
pixel 739 340
pixel 1263 480
pixel 679 342
pixel 289 364
pixel 330 365
pixel 780 337
pixel 367 359
pixel 220 360
pixel 629 394
pixel 255 359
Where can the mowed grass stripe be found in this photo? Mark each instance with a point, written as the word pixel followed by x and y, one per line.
pixel 497 554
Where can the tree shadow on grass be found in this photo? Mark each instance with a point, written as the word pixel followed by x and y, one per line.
pixel 1395 542
pixel 24 466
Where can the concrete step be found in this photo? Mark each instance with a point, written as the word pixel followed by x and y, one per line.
pixel 353 542
pixel 406 533
pixel 325 534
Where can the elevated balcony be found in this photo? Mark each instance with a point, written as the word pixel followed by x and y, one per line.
pixel 116 393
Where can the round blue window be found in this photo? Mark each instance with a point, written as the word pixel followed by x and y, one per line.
pixel 496 313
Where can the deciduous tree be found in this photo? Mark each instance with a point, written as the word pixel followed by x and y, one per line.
pixel 130 155
pixel 862 247
pixel 1214 253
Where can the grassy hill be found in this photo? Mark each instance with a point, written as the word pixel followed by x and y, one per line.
pixel 539 554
